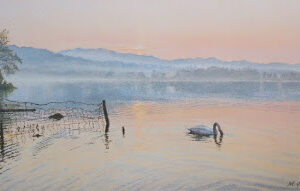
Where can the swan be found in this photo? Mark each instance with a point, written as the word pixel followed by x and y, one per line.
pixel 204 130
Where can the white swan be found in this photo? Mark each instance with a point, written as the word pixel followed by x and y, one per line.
pixel 204 130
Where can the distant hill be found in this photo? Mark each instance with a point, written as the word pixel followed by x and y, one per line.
pixel 103 55
pixel 42 62
pixel 110 55
pixel 34 55
pixel 107 64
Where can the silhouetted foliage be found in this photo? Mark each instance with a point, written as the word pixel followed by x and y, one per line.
pixel 8 61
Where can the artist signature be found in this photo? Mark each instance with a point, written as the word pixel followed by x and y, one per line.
pixel 294 184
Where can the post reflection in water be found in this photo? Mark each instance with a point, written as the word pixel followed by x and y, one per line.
pixel 106 140
pixel 1 141
pixel 3 120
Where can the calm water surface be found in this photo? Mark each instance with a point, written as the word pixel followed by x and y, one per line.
pixel 259 151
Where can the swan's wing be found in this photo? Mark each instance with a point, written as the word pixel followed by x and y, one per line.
pixel 202 129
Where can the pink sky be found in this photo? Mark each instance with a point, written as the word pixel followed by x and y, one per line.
pixel 255 30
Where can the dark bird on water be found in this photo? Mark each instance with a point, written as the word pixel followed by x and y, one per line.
pixel 56 116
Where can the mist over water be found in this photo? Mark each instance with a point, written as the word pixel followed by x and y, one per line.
pixel 94 91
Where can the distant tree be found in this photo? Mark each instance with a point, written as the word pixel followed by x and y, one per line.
pixel 158 75
pixel 141 76
pixel 8 60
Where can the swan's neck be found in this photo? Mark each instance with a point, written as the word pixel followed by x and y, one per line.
pixel 219 128
pixel 215 130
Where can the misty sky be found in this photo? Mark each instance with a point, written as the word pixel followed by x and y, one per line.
pixel 255 30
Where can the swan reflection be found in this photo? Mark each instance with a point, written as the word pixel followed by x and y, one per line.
pixel 218 141
pixel 207 138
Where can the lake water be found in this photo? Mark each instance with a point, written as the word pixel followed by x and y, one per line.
pixel 259 151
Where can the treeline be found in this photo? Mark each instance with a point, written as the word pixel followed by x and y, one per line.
pixel 281 76
pixel 5 86
pixel 216 73
pixel 8 62
pixel 208 74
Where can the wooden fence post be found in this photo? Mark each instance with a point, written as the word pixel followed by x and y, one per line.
pixel 1 139
pixel 105 116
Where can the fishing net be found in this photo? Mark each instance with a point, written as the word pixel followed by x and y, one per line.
pixel 39 119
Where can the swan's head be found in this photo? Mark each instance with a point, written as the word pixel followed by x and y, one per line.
pixel 219 129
